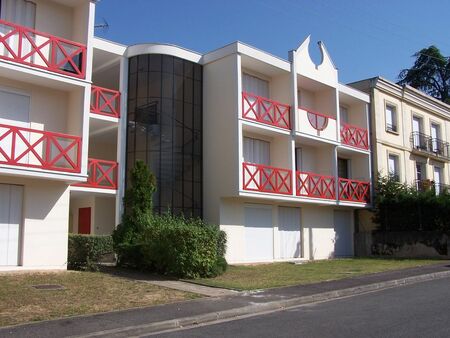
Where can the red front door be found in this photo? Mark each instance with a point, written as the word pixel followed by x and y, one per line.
pixel 84 221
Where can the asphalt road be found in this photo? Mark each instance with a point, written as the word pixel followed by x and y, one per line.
pixel 418 310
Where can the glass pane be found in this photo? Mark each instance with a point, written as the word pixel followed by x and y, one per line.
pixel 155 63
pixel 188 69
pixel 167 64
pixel 178 66
pixel 143 63
pixel 154 86
pixel 167 85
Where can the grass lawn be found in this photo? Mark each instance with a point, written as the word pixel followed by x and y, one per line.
pixel 84 293
pixel 251 277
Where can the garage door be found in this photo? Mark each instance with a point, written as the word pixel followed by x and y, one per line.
pixel 289 232
pixel 10 219
pixel 343 245
pixel 258 233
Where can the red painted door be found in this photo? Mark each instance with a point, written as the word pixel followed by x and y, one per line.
pixel 84 221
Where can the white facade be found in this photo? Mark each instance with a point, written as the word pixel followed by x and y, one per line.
pixel 271 176
pixel 45 87
pixel 286 157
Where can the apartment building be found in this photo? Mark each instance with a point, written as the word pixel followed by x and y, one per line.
pixel 286 154
pixel 45 90
pixel 409 135
pixel 275 151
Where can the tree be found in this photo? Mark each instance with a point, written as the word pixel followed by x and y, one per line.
pixel 137 216
pixel 430 73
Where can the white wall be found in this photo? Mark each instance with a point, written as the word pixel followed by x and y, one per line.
pixel 220 133
pixel 105 216
pixel 317 223
pixel 45 223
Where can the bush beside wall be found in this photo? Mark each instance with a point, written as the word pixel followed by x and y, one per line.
pixel 85 250
pixel 187 248
pixel 402 208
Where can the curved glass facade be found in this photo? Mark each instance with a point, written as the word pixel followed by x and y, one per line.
pixel 164 129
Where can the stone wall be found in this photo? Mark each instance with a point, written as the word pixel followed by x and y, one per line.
pixel 407 244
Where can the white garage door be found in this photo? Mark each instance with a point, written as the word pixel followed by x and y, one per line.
pixel 289 232
pixel 258 233
pixel 10 219
pixel 343 245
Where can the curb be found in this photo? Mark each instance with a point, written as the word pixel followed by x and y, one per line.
pixel 255 309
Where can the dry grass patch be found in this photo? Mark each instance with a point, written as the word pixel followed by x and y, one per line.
pixel 83 293
pixel 251 277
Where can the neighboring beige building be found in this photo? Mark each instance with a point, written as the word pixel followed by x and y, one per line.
pixel 409 133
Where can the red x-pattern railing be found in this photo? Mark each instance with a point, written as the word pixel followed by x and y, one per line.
pixel 41 50
pixel 317 120
pixel 354 136
pixel 105 101
pixel 260 109
pixel 354 190
pixel 315 185
pixel 101 174
pixel 39 149
pixel 263 178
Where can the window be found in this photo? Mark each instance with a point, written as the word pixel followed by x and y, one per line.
pixel 254 85
pixel 420 140
pixel 21 12
pixel 344 114
pixel 391 118
pixel 393 167
pixel 437 179
pixel 256 151
pixel 436 143
pixel 421 182
pixel 343 168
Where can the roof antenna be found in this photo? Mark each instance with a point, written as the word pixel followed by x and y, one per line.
pixel 104 26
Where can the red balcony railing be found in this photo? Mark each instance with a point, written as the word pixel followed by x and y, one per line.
pixel 354 191
pixel 317 120
pixel 260 109
pixel 101 174
pixel 354 136
pixel 41 50
pixel 258 177
pixel 39 149
pixel 105 102
pixel 315 185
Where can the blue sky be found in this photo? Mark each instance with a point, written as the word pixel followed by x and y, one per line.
pixel 364 37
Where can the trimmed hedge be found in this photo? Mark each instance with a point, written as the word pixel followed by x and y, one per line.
pixel 187 248
pixel 86 250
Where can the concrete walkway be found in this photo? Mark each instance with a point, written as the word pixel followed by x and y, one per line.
pixel 168 282
pixel 145 321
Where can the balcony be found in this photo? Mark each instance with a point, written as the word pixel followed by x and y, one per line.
pixel 315 185
pixel 427 185
pixel 101 175
pixel 423 143
pixel 263 178
pixel 105 102
pixel 354 190
pixel 260 109
pixel 354 136
pixel 39 149
pixel 41 50
pixel 316 124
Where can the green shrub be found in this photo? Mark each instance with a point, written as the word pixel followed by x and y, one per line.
pixel 137 216
pixel 187 248
pixel 85 250
pixel 402 208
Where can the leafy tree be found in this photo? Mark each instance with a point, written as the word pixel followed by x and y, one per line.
pixel 137 216
pixel 430 73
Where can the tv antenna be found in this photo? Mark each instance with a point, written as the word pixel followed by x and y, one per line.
pixel 104 26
